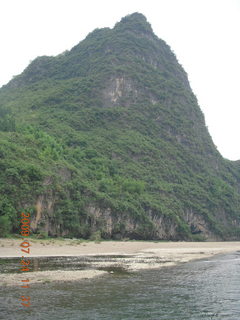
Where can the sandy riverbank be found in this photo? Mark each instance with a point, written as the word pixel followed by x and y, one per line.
pixel 131 255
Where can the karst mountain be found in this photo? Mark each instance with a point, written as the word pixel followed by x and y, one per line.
pixel 108 141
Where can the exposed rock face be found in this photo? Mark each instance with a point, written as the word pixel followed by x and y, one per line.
pixel 117 88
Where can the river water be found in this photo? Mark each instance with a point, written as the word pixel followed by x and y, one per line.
pixel 204 289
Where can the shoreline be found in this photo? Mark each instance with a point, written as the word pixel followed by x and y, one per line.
pixel 128 255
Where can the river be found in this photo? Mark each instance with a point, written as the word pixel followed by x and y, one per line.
pixel 203 289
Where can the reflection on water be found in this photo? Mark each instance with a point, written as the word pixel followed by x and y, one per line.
pixel 207 289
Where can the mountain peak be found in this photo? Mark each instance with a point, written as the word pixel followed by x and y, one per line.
pixel 136 16
pixel 134 22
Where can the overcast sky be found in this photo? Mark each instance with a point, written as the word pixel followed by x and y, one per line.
pixel 204 34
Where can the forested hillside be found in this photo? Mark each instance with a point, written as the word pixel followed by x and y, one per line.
pixel 108 140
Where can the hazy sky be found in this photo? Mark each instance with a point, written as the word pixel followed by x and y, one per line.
pixel 204 34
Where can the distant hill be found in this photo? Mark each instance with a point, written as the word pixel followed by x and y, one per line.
pixel 108 140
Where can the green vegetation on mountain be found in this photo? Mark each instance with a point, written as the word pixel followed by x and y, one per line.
pixel 108 137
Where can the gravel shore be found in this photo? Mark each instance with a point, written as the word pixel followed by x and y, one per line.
pixel 129 255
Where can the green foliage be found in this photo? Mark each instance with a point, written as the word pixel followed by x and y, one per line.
pixel 8 221
pixel 42 235
pixel 5 226
pixel 48 146
pixel 7 121
pixel 96 236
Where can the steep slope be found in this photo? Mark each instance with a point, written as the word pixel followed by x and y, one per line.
pixel 108 138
